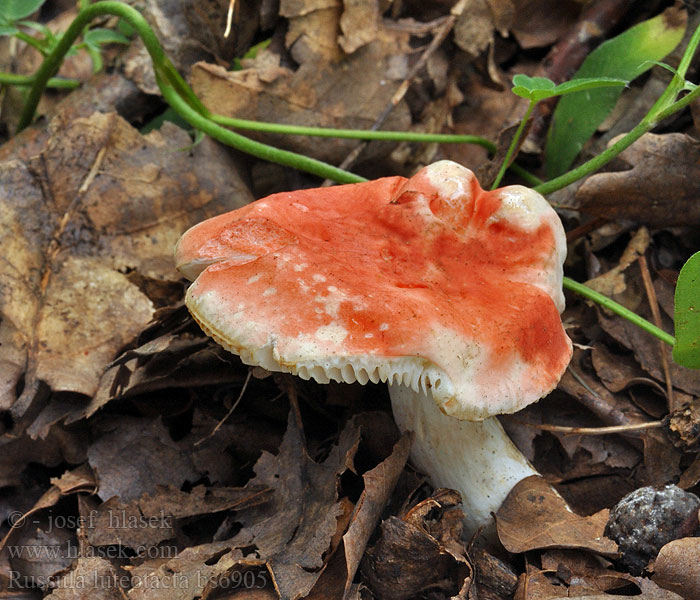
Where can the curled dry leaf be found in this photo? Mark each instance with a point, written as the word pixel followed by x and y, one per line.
pixel 85 225
pixel 535 516
pixel 421 552
pixel 660 189
pixel 379 484
pixel 676 567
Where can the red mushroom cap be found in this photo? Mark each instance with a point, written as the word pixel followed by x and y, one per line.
pixel 429 282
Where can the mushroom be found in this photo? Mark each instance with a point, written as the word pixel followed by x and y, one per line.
pixel 449 293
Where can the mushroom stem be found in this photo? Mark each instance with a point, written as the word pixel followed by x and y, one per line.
pixel 476 458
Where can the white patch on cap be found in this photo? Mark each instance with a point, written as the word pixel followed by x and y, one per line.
pixel 384 327
pixel 271 291
pixel 300 267
pixel 451 180
pixel 318 278
pixel 254 278
pixel 300 206
pixel 521 207
pixel 332 332
pixel 331 303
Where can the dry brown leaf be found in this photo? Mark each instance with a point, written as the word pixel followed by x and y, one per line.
pixel 359 23
pixel 85 224
pixel 615 281
pixel 348 94
pixel 313 29
pixel 151 519
pixel 535 585
pixel 71 482
pixel 174 353
pixel 475 28
pixel 133 456
pixel 293 532
pixel 691 476
pixel 191 574
pixel 421 552
pixel 92 578
pixel 616 371
pixel 676 567
pixel 542 22
pixel 584 573
pixel 660 189
pixel 535 516
pixel 379 484
pixel 538 584
pixel 647 351
pixel 484 112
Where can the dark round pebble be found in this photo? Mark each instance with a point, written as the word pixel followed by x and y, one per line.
pixel 647 519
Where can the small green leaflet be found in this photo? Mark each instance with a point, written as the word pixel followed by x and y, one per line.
pixel 13 10
pixel 98 36
pixel 625 56
pixel 540 88
pixel 686 350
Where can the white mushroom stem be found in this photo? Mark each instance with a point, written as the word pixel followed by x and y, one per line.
pixel 477 459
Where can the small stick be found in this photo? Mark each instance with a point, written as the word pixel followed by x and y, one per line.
pixel 229 413
pixel 596 430
pixel 654 304
pixel 229 17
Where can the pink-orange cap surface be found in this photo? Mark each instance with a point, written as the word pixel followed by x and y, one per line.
pixel 429 282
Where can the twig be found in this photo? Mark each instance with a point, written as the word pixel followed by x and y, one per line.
pixel 584 229
pixel 228 414
pixel 595 430
pixel 654 305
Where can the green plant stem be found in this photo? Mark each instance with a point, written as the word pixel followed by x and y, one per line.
pixel 27 80
pixel 596 162
pixel 252 147
pixel 31 41
pixel 358 134
pixel 513 145
pixel 361 134
pixel 53 61
pixel 618 309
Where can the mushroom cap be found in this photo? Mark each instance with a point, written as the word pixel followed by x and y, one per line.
pixel 429 282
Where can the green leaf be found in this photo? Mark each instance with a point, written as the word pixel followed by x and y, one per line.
pixel 626 56
pixel 8 30
pixel 125 29
pixel 252 52
pixel 539 88
pixel 686 350
pixel 13 10
pixel 43 29
pixel 95 37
